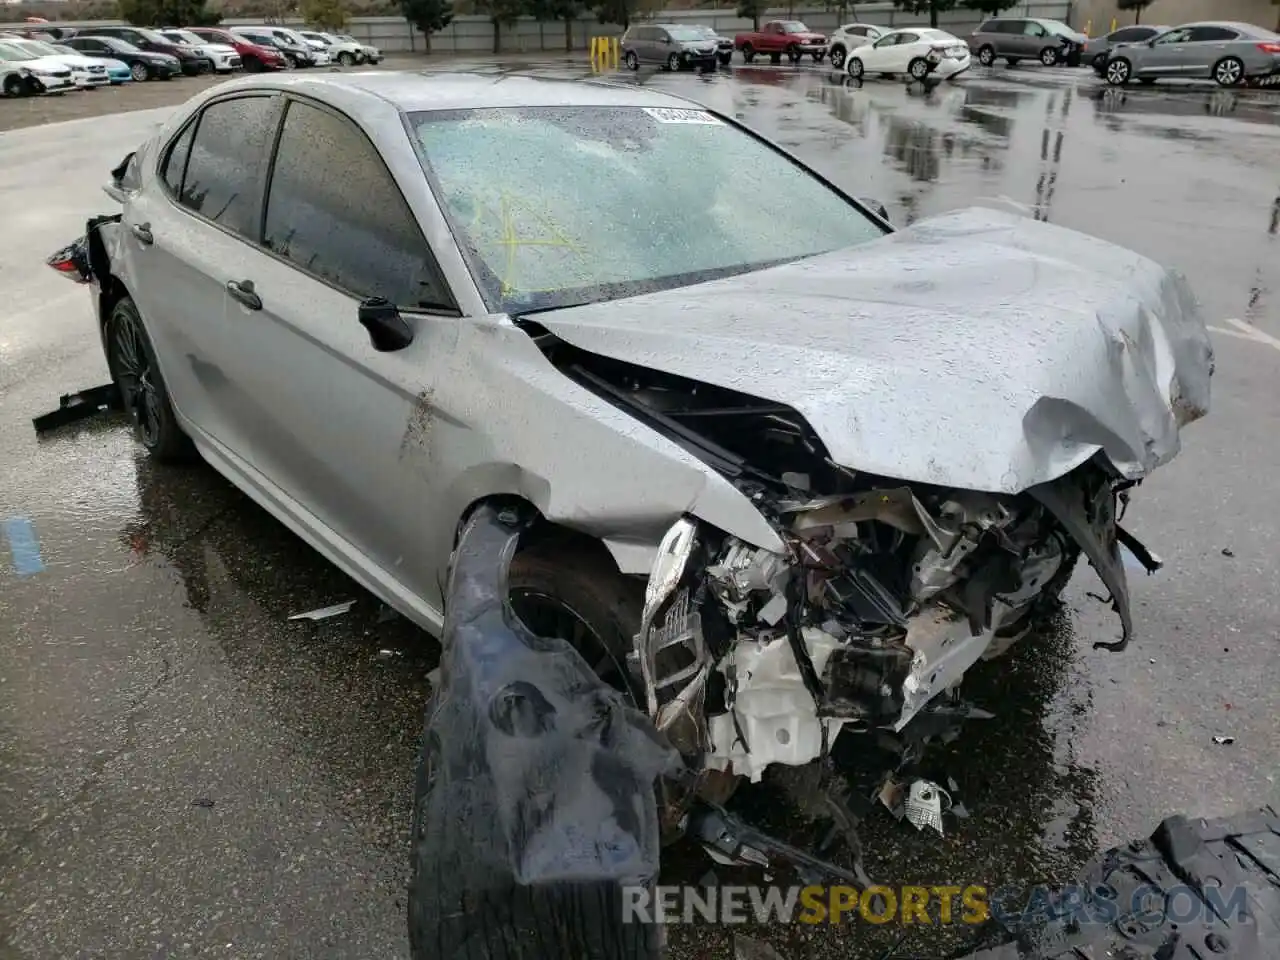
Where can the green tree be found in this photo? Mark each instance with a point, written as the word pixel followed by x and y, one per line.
pixel 615 11
pixel 167 13
pixel 1137 6
pixel 548 11
pixel 325 14
pixel 501 13
pixel 429 16
pixel 752 9
pixel 989 7
pixel 932 7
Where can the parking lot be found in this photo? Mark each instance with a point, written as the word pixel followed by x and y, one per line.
pixel 186 772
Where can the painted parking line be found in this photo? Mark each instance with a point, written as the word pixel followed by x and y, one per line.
pixel 1246 331
pixel 23 546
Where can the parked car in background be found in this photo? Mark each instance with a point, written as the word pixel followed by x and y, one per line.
pixel 28 74
pixel 917 52
pixel 849 37
pixel 675 46
pixel 319 55
pixel 295 50
pixel 86 74
pixel 118 71
pixel 371 53
pixel 224 56
pixel 150 41
pixel 254 56
pixel 782 36
pixel 724 45
pixel 1048 41
pixel 346 52
pixel 1097 49
pixel 143 64
pixel 1227 52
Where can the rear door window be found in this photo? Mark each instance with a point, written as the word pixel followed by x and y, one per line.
pixel 227 164
pixel 1212 34
pixel 1129 35
pixel 334 211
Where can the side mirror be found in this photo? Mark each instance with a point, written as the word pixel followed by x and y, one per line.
pixel 876 207
pixel 388 331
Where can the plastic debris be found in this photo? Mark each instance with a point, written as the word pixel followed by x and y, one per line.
pixel 923 807
pixel 1228 552
pixel 1224 741
pixel 324 613
pixel 202 802
pixel 80 406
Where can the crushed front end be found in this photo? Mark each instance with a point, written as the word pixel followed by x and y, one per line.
pixel 886 595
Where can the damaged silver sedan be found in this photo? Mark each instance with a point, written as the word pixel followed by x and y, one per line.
pixel 792 474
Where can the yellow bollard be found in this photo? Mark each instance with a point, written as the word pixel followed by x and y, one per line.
pixel 604 53
pixel 1113 25
pixel 1088 29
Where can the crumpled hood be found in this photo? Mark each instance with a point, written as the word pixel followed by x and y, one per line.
pixel 978 349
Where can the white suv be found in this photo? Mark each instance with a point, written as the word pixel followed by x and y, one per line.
pixel 346 53
pixel 850 37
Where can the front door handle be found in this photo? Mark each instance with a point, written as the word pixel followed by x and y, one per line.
pixel 242 290
pixel 143 233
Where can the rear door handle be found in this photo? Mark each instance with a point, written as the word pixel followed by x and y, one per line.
pixel 242 290
pixel 143 232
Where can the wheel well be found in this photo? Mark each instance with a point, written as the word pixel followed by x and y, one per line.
pixel 542 533
pixel 111 293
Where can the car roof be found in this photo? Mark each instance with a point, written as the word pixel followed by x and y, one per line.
pixel 1228 24
pixel 419 91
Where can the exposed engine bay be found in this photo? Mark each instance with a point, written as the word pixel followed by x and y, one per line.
pixel 888 592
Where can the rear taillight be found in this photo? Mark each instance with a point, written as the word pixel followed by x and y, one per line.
pixel 1269 47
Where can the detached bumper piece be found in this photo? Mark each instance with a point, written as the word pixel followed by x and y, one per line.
pixel 1206 890
pixel 74 407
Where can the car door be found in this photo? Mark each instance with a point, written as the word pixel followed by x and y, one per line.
pixel 773 36
pixel 875 56
pixel 185 240
pixel 1205 47
pixel 1167 56
pixel 895 57
pixel 319 411
pixel 1031 40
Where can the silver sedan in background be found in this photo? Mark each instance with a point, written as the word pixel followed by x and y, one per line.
pixel 1098 49
pixel 1227 52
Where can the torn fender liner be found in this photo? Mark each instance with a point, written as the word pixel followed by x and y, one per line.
pixel 536 803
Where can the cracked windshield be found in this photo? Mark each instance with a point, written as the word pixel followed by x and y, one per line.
pixel 564 206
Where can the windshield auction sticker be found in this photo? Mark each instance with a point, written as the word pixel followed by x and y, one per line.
pixel 674 115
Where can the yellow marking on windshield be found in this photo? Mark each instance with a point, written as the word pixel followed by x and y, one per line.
pixel 512 241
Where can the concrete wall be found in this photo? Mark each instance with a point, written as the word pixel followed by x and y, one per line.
pixel 474 35
pixel 1174 12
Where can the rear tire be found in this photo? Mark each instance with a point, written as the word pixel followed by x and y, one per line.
pixel 631 60
pixel 775 58
pixel 13 86
pixel 748 53
pixel 346 59
pixel 918 68
pixel 673 62
pixel 837 56
pixel 1049 56
pixel 1229 72
pixel 856 68
pixel 136 373
pixel 987 55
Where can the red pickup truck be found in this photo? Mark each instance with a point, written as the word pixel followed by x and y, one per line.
pixel 782 36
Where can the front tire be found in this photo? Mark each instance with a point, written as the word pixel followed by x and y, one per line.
pixel 136 373
pixel 794 54
pixel 987 55
pixel 140 72
pixel 1229 72
pixel 725 59
pixel 748 53
pixel 346 59
pixel 575 592
pixel 1119 71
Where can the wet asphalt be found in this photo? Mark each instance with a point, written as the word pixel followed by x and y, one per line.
pixel 186 772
